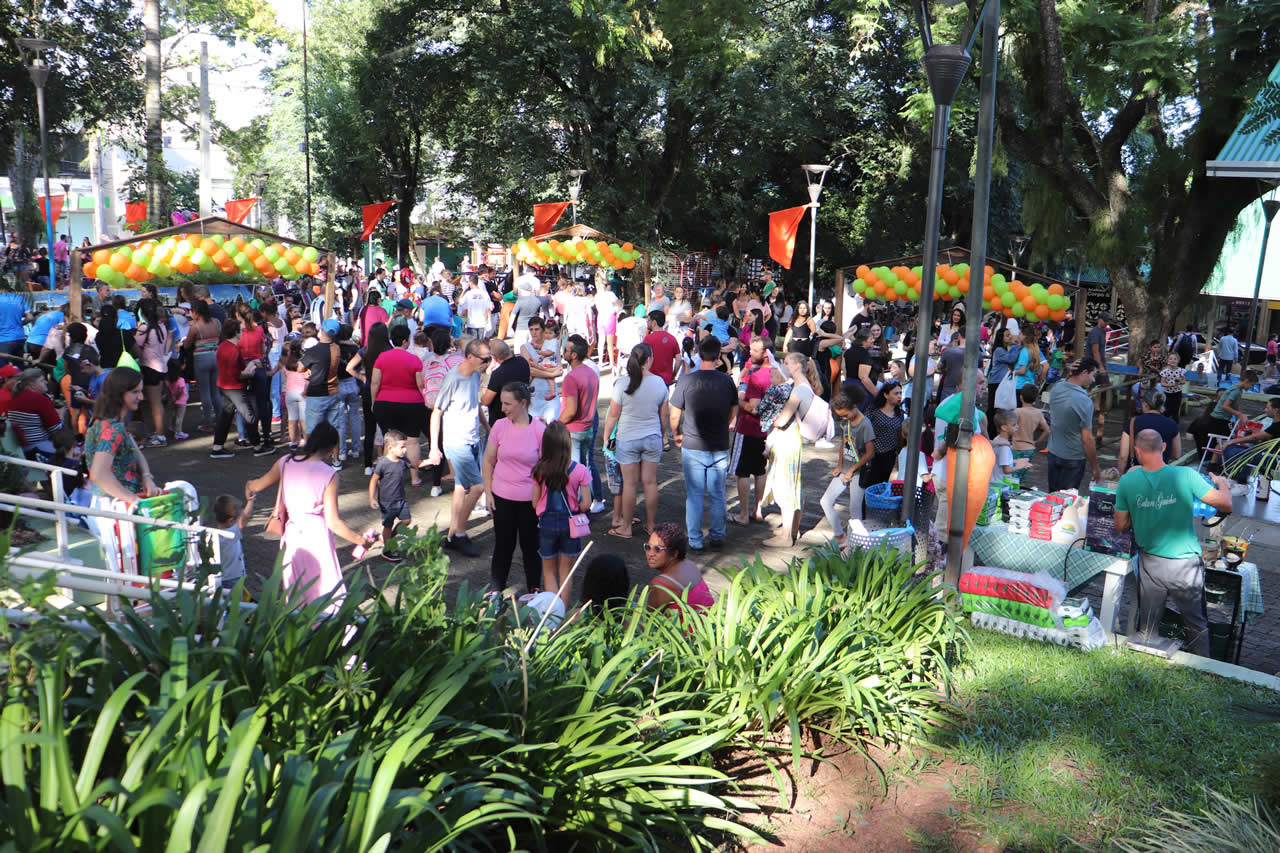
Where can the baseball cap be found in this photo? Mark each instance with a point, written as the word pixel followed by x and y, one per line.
pixel 331 326
pixel 8 370
pixel 404 305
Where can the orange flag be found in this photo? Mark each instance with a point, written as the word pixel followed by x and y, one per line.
pixel 372 215
pixel 545 216
pixel 238 208
pixel 134 212
pixel 783 225
pixel 55 203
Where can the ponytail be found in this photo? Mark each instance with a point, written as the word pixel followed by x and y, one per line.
pixel 640 356
pixel 811 372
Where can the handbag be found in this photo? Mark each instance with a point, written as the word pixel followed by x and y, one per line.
pixel 1007 392
pixel 579 522
pixel 279 513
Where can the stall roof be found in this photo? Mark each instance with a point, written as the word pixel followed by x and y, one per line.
pixel 207 226
pixel 1255 153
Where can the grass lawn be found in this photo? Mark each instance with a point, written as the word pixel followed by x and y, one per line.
pixel 1066 746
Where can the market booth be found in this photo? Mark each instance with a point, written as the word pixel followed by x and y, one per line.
pixel 211 251
pixel 585 245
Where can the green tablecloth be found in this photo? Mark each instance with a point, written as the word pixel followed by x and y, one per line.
pixel 995 546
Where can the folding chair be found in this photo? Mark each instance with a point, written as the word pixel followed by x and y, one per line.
pixel 1216 442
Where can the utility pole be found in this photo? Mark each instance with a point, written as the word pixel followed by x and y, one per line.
pixel 95 181
pixel 154 130
pixel 206 168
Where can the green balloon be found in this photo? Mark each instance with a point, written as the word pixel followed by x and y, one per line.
pixel 986 306
pixel 913 296
pixel 1054 301
pixel 141 258
pixel 310 253
pixel 218 239
pixel 183 248
pixel 281 264
pixel 154 267
pixel 859 286
pixel 1018 310
pixel 998 280
pixel 960 268
pixel 900 287
pixel 919 271
pixel 1008 300
pixel 198 257
pixel 271 254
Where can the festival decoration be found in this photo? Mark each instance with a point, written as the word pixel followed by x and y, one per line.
pixel 575 251
pixel 130 265
pixel 1012 298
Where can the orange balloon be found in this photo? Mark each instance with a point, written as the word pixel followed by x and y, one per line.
pixel 302 266
pixel 1056 289
pixel 134 272
pixel 964 286
pixel 187 266
pixel 91 270
pixel 891 296
pixel 630 265
pixel 279 247
pixel 1029 303
pixel 1008 312
pixel 220 258
pixel 119 262
pixel 102 256
pixel 987 271
pixel 628 248
pixel 952 278
pixel 879 288
pixel 1042 312
pixel 238 242
pixel 1058 316
pixel 210 248
pixel 252 252
pixel 989 293
pixel 982 460
pixel 864 272
pixel 291 257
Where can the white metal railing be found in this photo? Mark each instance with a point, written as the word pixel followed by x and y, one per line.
pixel 59 512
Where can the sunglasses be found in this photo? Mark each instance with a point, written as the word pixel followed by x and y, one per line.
pixel 485 360
pixel 651 549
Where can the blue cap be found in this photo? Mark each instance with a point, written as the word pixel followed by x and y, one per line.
pixel 331 326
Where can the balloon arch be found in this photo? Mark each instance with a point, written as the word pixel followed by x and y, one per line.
pixel 216 250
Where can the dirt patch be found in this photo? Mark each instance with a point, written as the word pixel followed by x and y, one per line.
pixel 883 802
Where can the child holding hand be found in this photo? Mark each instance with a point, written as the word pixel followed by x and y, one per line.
pixel 561 487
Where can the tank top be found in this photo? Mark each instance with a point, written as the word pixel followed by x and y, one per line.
pixel 801 339
pixel 205 344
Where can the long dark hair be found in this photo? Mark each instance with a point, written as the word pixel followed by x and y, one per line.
pixel 552 467
pixel 150 311
pixel 641 354
pixel 757 325
pixel 292 355
pixel 323 437
pixel 200 309
pixel 120 381
pixel 379 341
pixel 606 582
pixel 882 395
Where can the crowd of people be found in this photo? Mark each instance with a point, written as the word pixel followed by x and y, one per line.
pixel 495 381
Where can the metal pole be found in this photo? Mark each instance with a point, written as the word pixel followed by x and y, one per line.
pixel 973 316
pixel 306 116
pixel 48 208
pixel 813 243
pixel 95 179
pixel 1269 209
pixel 205 208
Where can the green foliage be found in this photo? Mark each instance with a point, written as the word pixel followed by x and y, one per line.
pixel 401 723
pixel 1222 827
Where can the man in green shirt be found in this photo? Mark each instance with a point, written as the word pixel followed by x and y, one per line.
pixel 1156 500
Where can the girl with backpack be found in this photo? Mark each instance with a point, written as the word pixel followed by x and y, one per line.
pixel 561 489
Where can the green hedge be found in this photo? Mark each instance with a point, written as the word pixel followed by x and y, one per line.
pixel 204 726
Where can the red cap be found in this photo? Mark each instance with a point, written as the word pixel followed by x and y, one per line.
pixel 8 371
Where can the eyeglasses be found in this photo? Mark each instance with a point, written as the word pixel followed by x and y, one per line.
pixel 653 549
pixel 483 359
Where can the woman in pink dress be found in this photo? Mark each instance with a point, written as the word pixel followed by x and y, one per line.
pixel 310 504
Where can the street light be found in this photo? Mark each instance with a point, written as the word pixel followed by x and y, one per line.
pixel 65 179
pixel 814 175
pixel 1017 246
pixel 1270 206
pixel 261 178
pixel 39 70
pixel 575 187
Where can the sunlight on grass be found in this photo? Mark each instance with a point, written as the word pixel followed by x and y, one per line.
pixel 1073 746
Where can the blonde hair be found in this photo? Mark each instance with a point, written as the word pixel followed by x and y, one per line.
pixel 810 370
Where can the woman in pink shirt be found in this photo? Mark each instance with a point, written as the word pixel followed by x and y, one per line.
pixel 395 386
pixel 679 583
pixel 515 444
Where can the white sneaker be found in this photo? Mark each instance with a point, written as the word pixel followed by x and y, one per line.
pixel 436 491
pixel 823 444
pixel 368 472
pixel 597 507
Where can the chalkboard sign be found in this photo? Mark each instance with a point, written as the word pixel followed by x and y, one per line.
pixel 1098 299
pixel 1100 534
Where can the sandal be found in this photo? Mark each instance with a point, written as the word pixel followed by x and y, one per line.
pixel 617 534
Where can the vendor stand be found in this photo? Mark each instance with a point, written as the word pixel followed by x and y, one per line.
pixel 239 253
pixel 585 245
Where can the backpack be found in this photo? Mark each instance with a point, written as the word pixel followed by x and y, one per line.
pixel 816 423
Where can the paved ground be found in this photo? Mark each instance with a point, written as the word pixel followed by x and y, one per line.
pixel 189 461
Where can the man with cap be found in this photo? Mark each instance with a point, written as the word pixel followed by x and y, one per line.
pixel 9 377
pixel 321 366
pixel 403 317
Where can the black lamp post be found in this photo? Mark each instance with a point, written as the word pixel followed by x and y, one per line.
pixel 261 187
pixel 575 189
pixel 1017 246
pixel 39 71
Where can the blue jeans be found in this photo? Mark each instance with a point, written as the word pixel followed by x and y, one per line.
pixel 704 476
pixel 277 380
pixel 584 453
pixel 350 417
pixel 1065 473
pixel 206 365
pixel 322 409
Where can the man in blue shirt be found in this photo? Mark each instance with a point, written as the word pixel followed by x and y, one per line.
pixel 13 313
pixel 38 340
pixel 1071 444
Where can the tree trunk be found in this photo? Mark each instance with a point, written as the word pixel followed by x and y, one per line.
pixel 1147 314
pixel 25 219
pixel 404 254
pixel 154 129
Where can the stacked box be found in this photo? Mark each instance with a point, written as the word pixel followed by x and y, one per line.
pixel 1035 514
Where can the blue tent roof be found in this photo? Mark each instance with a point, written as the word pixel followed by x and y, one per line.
pixel 1251 155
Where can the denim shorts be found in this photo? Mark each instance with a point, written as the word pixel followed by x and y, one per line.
pixel 393 511
pixel 647 449
pixel 466 465
pixel 553 536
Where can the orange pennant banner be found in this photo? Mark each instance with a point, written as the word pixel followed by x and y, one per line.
pixel 783 225
pixel 373 214
pixel 545 216
pixel 238 208
pixel 55 202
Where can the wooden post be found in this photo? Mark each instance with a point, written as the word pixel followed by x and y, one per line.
pixel 839 296
pixel 1082 324
pixel 75 297
pixel 331 261
pixel 644 296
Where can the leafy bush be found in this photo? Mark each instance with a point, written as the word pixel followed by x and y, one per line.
pixel 218 725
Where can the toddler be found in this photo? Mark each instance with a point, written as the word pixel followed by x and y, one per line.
pixel 176 387
pixel 230 513
pixel 386 490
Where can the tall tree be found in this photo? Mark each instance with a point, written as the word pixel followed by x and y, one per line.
pixel 1114 107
